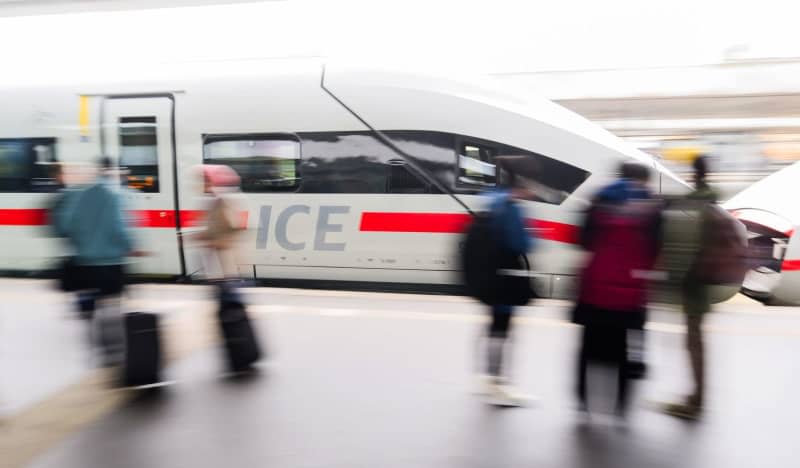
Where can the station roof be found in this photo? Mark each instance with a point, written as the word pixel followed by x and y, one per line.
pixel 765 76
pixel 736 95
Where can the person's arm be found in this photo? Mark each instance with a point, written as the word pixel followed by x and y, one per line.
pixel 587 231
pixel 516 236
pixel 658 230
pixel 56 214
pixel 120 223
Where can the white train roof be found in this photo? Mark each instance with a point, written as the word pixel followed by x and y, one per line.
pixel 387 99
pixel 367 90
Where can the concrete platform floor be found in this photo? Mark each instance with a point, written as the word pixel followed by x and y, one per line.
pixel 384 380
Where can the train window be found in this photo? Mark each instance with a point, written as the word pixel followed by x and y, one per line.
pixel 402 180
pixel 432 152
pixel 554 182
pixel 357 162
pixel 475 164
pixel 264 163
pixel 344 162
pixel 27 165
pixel 138 152
pixel 556 179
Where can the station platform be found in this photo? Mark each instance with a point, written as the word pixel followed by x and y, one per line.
pixel 381 380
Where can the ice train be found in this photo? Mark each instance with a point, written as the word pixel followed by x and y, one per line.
pixel 771 214
pixel 330 200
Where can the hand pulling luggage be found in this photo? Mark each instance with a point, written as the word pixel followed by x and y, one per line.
pixel 241 344
pixel 143 353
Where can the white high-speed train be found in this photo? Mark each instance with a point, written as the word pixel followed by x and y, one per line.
pixel 351 175
pixel 770 211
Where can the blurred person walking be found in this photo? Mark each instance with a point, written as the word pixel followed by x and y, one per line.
pixel 56 202
pixel 621 234
pixel 496 269
pixel 68 275
pixel 224 225
pixel 223 222
pixel 695 297
pixel 93 221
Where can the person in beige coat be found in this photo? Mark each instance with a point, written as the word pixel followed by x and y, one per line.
pixel 224 223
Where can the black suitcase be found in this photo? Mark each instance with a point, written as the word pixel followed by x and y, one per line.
pixel 143 350
pixel 241 344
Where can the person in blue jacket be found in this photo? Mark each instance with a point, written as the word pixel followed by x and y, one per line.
pixel 93 220
pixel 509 226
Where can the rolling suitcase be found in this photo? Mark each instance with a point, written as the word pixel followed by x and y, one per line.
pixel 241 345
pixel 143 350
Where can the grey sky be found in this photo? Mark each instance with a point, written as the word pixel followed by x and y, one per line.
pixel 481 36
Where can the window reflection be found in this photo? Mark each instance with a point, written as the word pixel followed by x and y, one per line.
pixel 357 162
pixel 138 152
pixel 475 164
pixel 554 181
pixel 26 165
pixel 264 163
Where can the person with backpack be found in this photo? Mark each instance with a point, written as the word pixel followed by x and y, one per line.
pixel 494 264
pixel 696 281
pixel 621 236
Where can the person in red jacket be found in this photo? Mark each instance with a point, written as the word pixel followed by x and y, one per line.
pixel 621 235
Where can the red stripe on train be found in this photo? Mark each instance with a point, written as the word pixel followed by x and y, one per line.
pixel 790 265
pixel 414 222
pixel 454 223
pixel 143 218
pixel 554 231
pixel 23 217
pixel 166 218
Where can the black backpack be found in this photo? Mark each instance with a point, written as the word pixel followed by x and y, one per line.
pixel 723 254
pixel 477 258
pixel 483 260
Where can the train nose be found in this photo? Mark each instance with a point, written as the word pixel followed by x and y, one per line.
pixel 768 239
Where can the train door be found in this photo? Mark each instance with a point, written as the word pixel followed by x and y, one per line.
pixel 138 134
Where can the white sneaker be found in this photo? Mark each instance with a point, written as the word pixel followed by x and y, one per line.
pixel 505 395
pixel 484 384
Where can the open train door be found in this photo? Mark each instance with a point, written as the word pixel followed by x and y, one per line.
pixel 138 133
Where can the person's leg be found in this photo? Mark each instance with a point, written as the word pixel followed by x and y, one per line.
pixel 109 326
pixel 582 365
pixel 498 332
pixel 637 368
pixel 695 305
pixel 85 303
pixel 694 343
pixel 618 338
pixel 498 389
pixel 94 279
pixel 212 265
